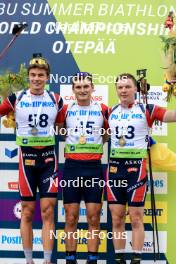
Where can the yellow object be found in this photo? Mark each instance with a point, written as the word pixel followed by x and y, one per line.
pixel 9 122
pixel 40 61
pixel 166 87
pixel 162 157
pixel 174 89
pixel 161 213
pixel 82 236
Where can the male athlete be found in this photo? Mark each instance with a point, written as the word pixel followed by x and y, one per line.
pixel 130 123
pixel 35 112
pixel 83 151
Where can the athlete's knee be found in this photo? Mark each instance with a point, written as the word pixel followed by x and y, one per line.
pixel 93 219
pixel 136 220
pixel 27 213
pixel 47 213
pixel 71 219
pixel 118 219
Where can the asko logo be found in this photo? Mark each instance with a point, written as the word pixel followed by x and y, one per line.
pixel 94 98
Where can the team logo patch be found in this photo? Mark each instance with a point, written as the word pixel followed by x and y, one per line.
pixel 113 152
pixel 25 141
pixel 29 162
pixel 48 160
pixel 72 148
pixel 113 169
pixel 133 169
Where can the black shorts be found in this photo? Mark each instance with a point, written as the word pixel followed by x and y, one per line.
pixel 81 181
pixel 128 180
pixel 38 168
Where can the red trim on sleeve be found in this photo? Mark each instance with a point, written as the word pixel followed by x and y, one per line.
pixel 24 185
pixel 105 112
pixel 57 97
pixel 5 107
pixel 110 111
pixel 157 114
pixel 62 115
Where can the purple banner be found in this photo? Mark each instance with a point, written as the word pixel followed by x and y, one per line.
pixel 11 210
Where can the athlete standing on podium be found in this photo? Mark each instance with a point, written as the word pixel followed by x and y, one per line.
pixel 83 151
pixel 130 122
pixel 36 111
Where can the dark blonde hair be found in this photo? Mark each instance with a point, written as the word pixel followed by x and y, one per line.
pixel 126 76
pixel 79 76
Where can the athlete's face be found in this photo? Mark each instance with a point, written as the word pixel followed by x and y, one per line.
pixel 126 91
pixel 37 80
pixel 83 90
